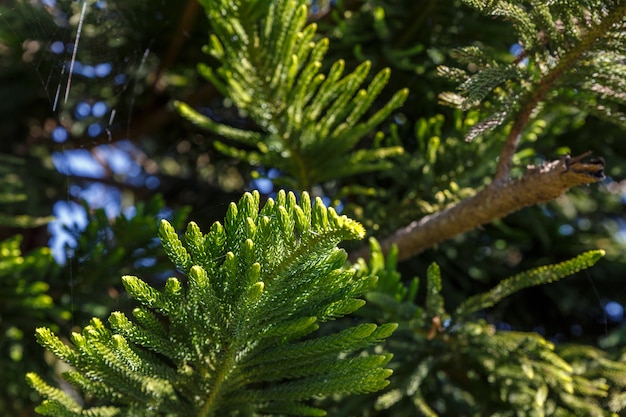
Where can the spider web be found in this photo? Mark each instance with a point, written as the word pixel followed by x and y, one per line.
pixel 89 60
pixel 93 60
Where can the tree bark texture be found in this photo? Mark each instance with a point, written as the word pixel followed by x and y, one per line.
pixel 539 184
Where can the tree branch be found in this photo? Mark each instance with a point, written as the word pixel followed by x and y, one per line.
pixel 504 196
pixel 539 184
pixel 547 82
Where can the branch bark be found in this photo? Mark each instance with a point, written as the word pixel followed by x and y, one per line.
pixel 539 184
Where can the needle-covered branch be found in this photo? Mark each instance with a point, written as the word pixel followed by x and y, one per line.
pixel 237 336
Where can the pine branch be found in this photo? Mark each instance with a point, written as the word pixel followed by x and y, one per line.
pixel 231 339
pixel 271 69
pixel 538 276
pixel 561 43
pixel 485 371
pixel 567 63
pixel 539 184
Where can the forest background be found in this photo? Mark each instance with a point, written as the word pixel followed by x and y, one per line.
pixel 105 153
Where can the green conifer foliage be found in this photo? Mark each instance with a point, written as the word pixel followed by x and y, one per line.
pixel 270 69
pixel 36 291
pixel 236 337
pixel 538 276
pixel 571 52
pixel 12 194
pixel 458 365
pixel 234 333
pixel 24 302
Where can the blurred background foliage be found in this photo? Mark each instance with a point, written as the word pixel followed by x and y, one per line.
pixel 107 156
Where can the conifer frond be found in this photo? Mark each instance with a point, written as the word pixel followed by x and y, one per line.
pixel 569 52
pixel 55 398
pixel 538 276
pixel 271 70
pixel 482 368
pixel 230 339
pixel 597 371
pixel 391 295
pixel 528 372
